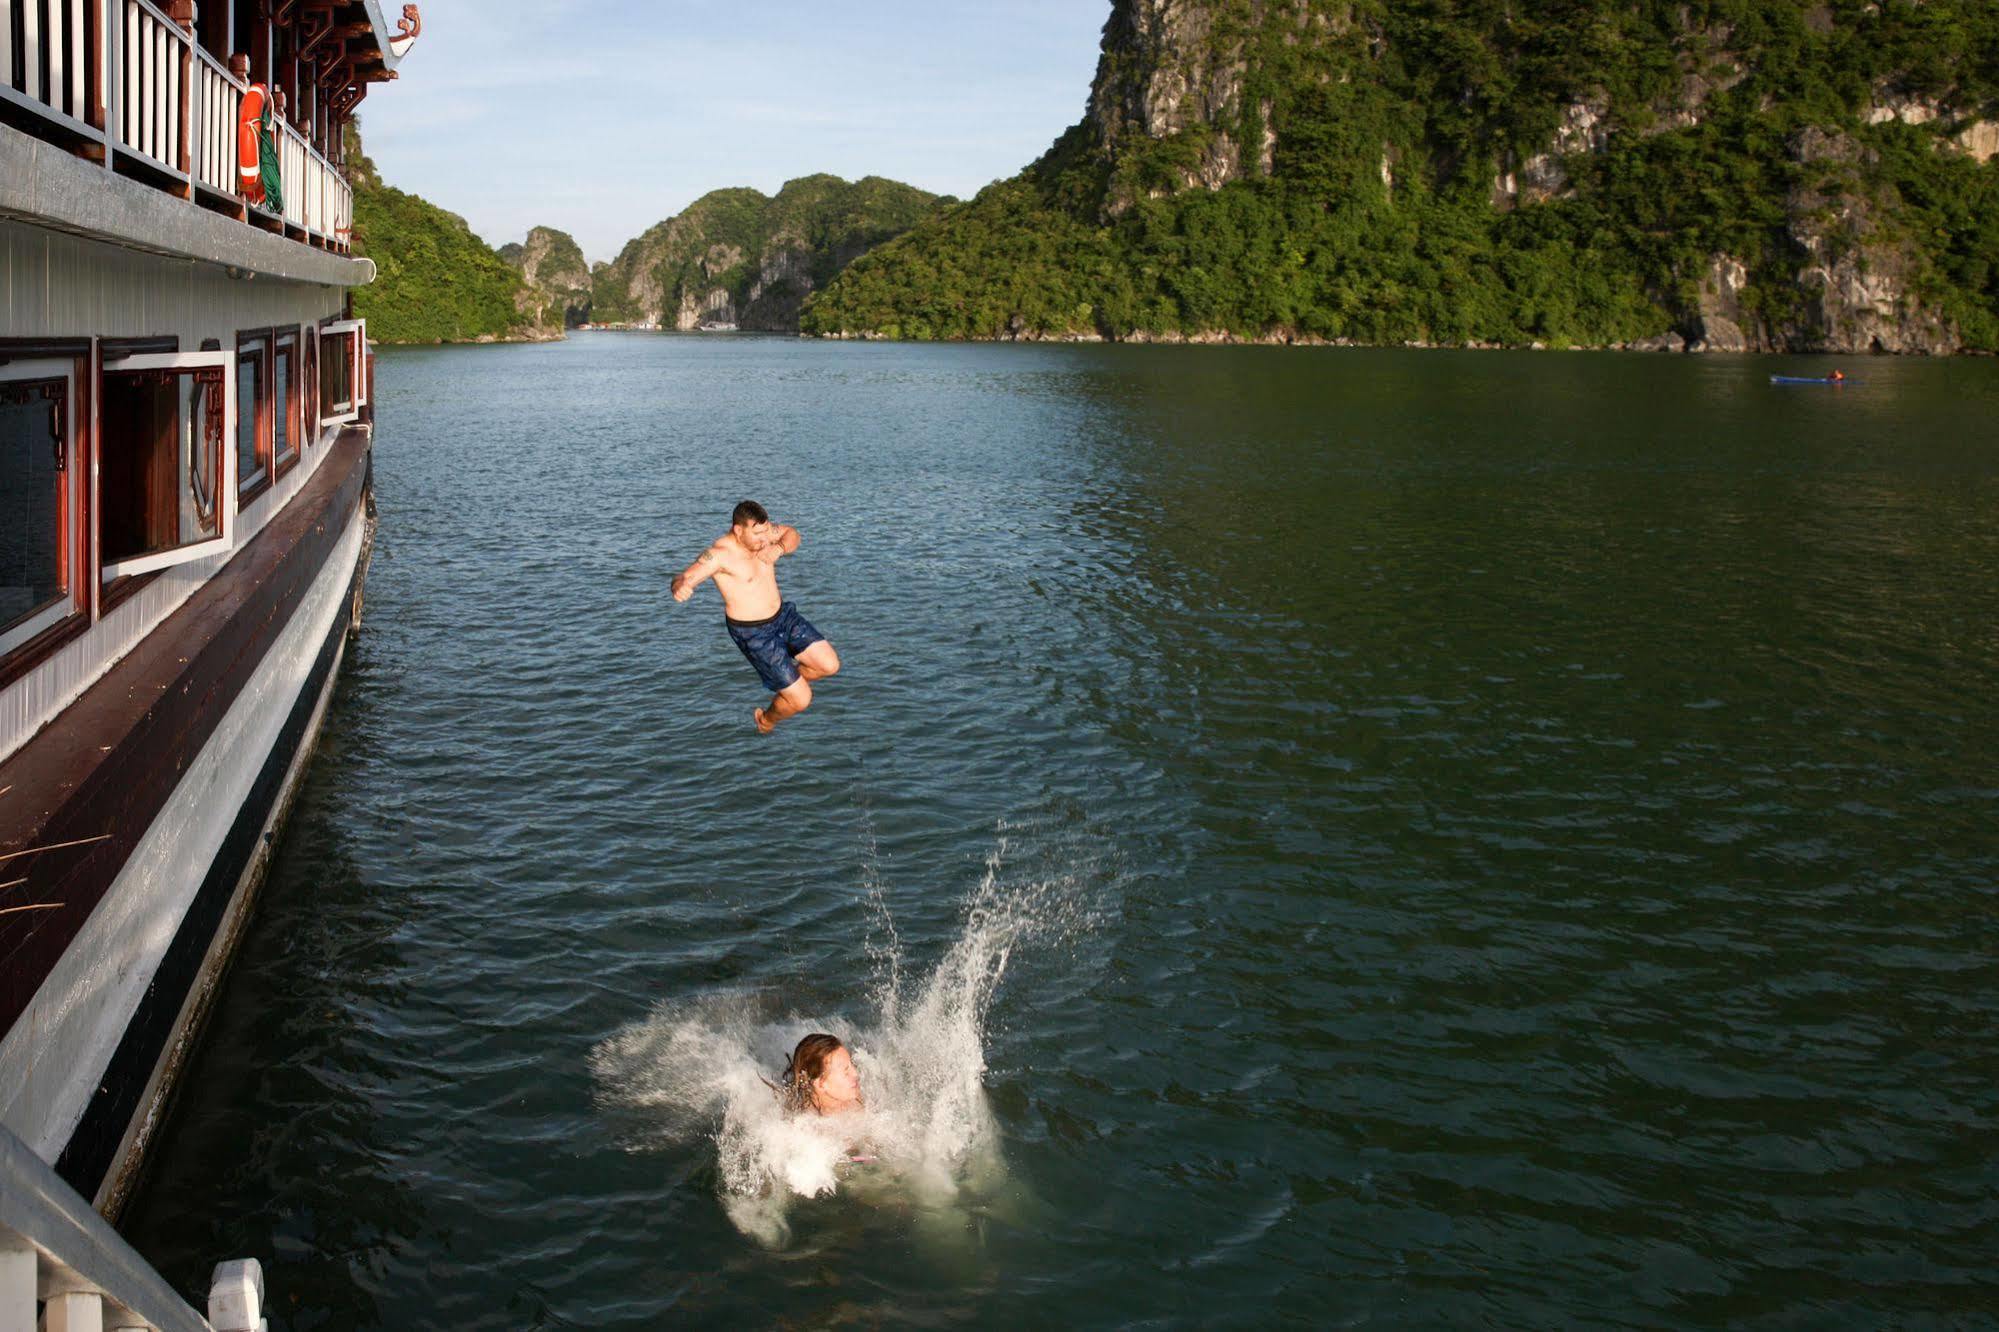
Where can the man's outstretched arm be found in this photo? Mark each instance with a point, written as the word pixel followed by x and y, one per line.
pixel 697 573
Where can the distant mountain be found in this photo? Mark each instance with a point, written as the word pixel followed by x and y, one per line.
pixel 435 281
pixel 559 285
pixel 1733 174
pixel 740 258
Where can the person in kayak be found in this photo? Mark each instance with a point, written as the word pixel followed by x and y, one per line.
pixel 788 653
pixel 821 1078
pixel 1837 376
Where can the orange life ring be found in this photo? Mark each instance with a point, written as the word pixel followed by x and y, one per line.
pixel 249 153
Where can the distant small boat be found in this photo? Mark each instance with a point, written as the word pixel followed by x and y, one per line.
pixel 1799 379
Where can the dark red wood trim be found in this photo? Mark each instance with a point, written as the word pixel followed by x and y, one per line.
pixel 36 349
pixel 160 344
pixel 285 343
pixel 245 498
pixel 95 93
pixel 40 648
pixel 108 764
pixel 121 590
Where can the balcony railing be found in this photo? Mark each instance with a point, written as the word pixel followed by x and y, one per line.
pixel 125 78
pixel 63 1266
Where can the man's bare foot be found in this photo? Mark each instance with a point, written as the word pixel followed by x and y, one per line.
pixel 764 724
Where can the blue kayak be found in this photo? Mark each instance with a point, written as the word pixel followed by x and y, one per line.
pixel 1796 379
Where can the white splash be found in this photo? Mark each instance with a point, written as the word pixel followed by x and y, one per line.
pixel 926 1129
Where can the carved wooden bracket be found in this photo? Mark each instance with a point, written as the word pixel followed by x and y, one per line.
pixel 315 25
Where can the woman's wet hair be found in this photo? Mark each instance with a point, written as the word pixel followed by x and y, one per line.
pixel 808 1062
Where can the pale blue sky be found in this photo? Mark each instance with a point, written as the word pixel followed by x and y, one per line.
pixel 602 117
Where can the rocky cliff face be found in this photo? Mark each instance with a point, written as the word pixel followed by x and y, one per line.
pixel 1177 72
pixel 742 259
pixel 558 286
pixel 1766 174
pixel 1193 75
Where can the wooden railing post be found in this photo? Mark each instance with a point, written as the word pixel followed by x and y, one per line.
pixel 113 12
pixel 97 22
pixel 182 13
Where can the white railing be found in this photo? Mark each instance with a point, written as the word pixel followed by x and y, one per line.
pixel 59 1254
pixel 49 66
pixel 218 97
pixel 318 199
pixel 153 54
pixel 124 74
pixel 316 195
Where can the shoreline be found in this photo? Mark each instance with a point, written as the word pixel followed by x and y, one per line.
pixel 1672 344
pixel 1668 344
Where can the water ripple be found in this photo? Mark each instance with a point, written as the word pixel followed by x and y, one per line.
pixel 1539 862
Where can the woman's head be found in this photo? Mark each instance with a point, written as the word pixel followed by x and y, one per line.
pixel 822 1077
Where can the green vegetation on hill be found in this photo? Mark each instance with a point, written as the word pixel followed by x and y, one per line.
pixel 434 280
pixel 1570 172
pixel 738 256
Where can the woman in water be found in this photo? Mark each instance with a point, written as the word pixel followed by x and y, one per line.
pixel 821 1078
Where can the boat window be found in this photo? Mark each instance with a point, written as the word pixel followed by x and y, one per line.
pixel 253 416
pixel 161 466
pixel 336 374
pixel 285 401
pixel 38 493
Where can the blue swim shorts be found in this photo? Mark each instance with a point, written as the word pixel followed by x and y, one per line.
pixel 771 644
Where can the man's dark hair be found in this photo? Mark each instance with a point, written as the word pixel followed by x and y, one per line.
pixel 749 511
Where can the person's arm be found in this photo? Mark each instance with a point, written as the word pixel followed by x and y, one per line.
pixel 697 573
pixel 782 544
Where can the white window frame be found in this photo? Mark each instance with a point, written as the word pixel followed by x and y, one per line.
pixel 226 500
pixel 64 368
pixel 357 390
pixel 300 435
pixel 268 370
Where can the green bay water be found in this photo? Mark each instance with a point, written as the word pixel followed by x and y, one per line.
pixel 1350 837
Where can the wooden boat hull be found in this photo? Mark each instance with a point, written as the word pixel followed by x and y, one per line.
pixel 172 774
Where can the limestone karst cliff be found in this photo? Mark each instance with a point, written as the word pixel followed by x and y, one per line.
pixel 742 259
pixel 1734 174
pixel 558 285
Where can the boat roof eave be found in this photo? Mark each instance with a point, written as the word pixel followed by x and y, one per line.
pixel 379 20
pixel 42 185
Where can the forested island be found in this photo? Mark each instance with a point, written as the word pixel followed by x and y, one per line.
pixel 742 259
pixel 734 258
pixel 1733 175
pixel 1727 175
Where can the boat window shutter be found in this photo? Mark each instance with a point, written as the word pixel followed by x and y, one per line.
pixel 167 485
pixel 341 368
pixel 361 385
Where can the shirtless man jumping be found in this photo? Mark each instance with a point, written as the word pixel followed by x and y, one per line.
pixel 788 653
